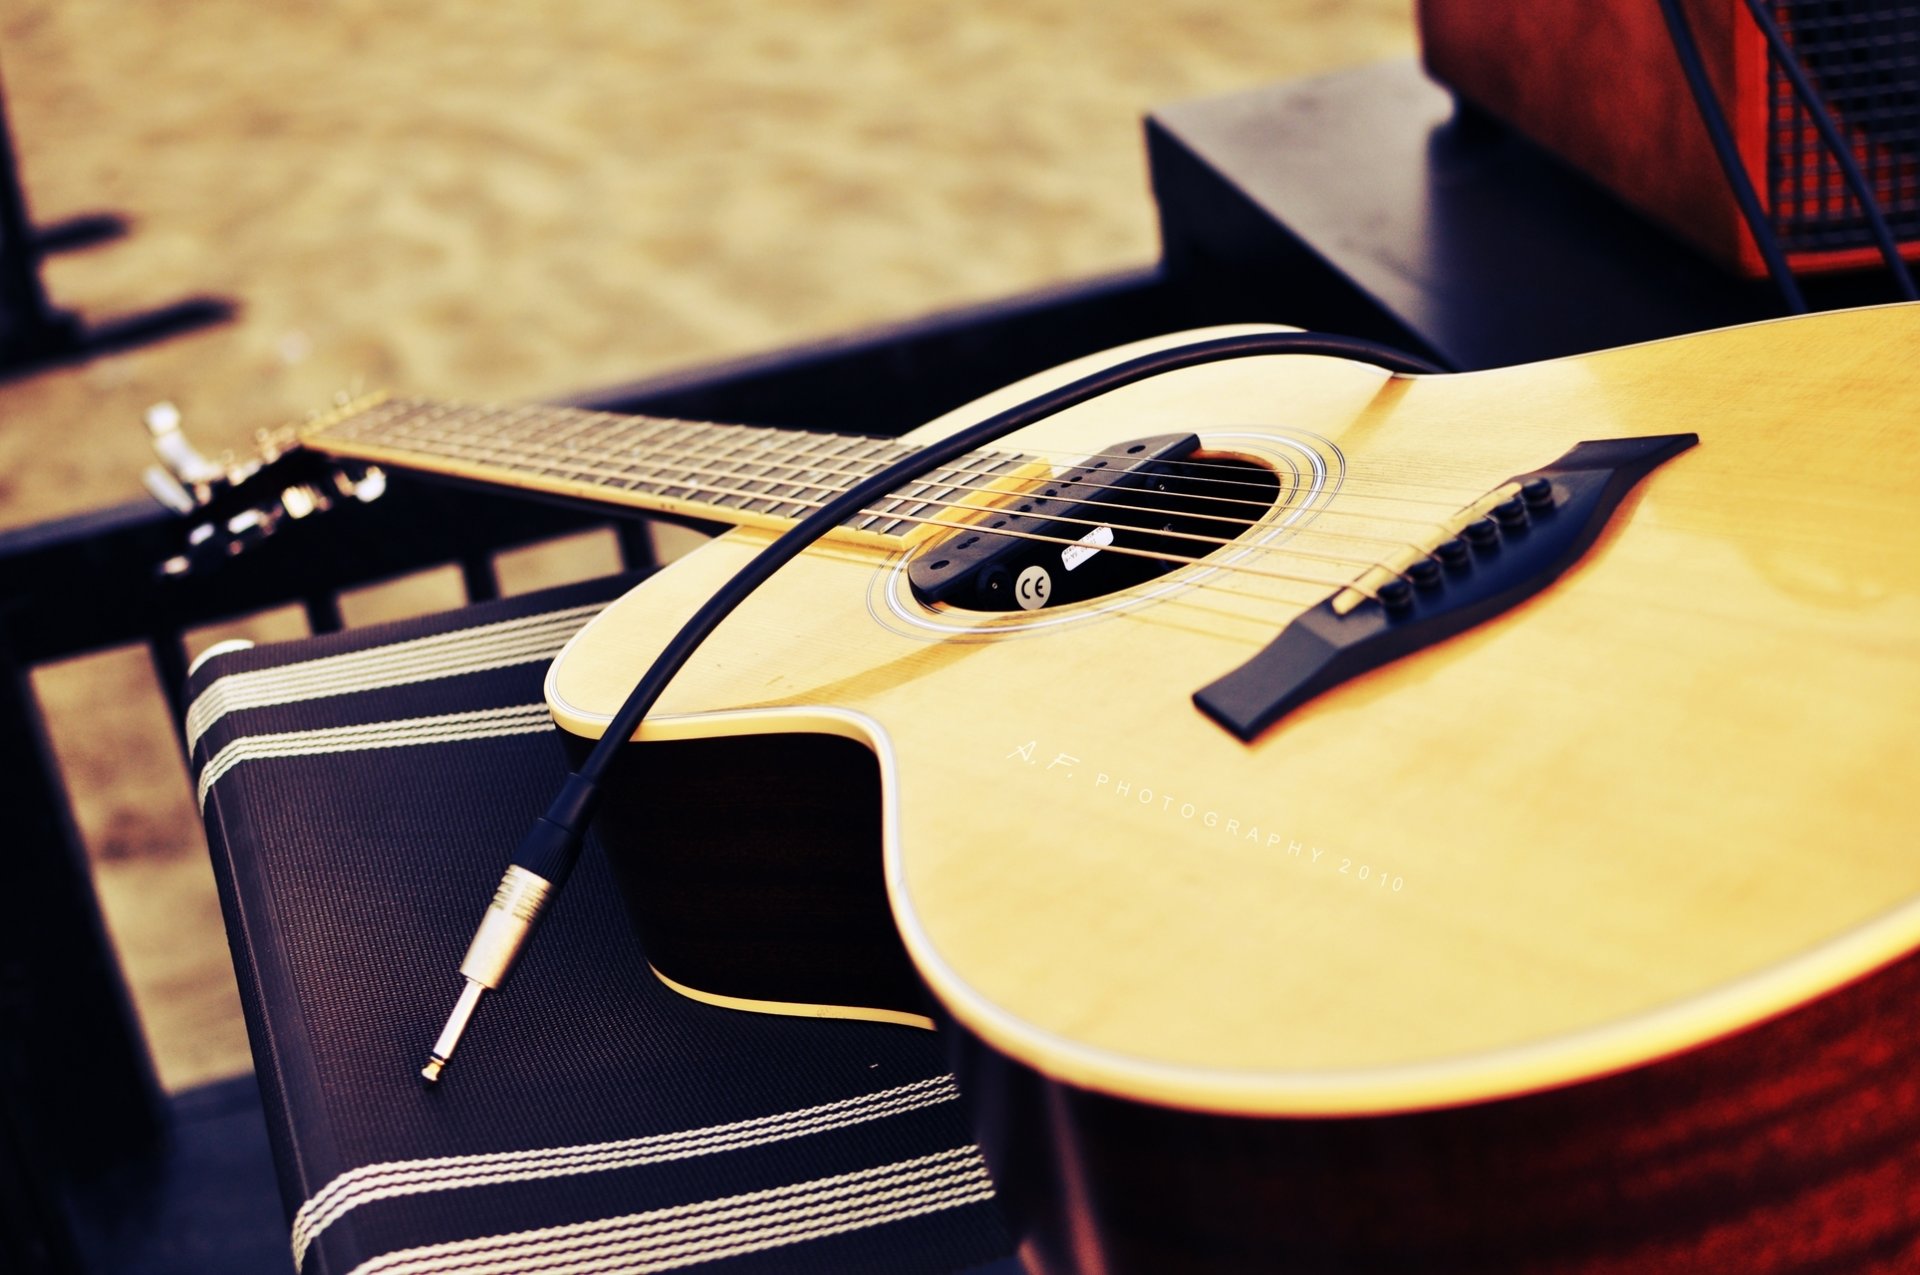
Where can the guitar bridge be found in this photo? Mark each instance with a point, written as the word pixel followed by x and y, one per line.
pixel 1498 552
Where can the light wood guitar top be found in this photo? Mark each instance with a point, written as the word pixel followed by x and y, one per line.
pixel 1670 795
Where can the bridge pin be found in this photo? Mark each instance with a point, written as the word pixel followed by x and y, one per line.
pixel 1396 595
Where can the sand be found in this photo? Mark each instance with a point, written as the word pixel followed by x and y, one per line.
pixel 512 201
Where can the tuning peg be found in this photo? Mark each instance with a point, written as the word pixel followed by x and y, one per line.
pixel 166 489
pixel 163 418
pixel 301 500
pixel 370 486
pixel 189 468
pixel 246 501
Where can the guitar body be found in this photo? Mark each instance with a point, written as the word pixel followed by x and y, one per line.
pixel 1575 941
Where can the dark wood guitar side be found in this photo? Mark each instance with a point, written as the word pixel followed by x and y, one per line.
pixel 1793 1146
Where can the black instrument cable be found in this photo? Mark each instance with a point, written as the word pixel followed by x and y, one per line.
pixel 547 853
pixel 1681 35
pixel 1816 107
pixel 1708 104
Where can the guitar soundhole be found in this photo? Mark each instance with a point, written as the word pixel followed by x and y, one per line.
pixel 1097 541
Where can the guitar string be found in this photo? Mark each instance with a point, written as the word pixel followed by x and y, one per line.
pixel 924 500
pixel 1366 565
pixel 574 456
pixel 583 462
pixel 777 499
pixel 1175 559
pixel 1334 586
pixel 1223 467
pixel 1229 467
pixel 1294 551
pixel 1213 466
pixel 744 456
pixel 491 422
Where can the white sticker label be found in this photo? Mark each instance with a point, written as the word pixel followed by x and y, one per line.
pixel 1033 588
pixel 1091 543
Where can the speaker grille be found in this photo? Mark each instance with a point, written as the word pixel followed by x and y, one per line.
pixel 1864 57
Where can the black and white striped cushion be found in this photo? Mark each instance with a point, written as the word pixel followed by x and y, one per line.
pixel 362 792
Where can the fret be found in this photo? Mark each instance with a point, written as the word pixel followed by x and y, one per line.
pixel 769 473
pixel 840 463
pixel 749 501
pixel 670 462
pixel 883 452
pixel 569 459
pixel 515 421
pixel 632 452
pixel 672 486
pixel 547 426
pixel 492 425
pixel 931 497
pixel 725 465
pixel 818 445
pixel 920 506
pixel 419 424
pixel 832 465
pixel 630 434
pixel 793 509
pixel 561 441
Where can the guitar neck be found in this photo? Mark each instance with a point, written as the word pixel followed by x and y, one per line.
pixel 739 475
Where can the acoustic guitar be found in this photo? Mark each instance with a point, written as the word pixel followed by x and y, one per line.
pixel 1343 821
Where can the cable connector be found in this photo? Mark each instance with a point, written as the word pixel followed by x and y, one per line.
pixel 540 866
pixel 518 901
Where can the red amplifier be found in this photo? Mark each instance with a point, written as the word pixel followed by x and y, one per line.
pixel 1597 82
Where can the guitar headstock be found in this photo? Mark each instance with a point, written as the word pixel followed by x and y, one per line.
pixel 233 503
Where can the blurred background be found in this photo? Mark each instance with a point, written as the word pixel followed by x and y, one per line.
pixel 515 202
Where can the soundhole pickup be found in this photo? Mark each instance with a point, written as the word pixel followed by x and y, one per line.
pixel 1127 514
pixel 1507 547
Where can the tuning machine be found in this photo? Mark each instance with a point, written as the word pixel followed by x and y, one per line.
pixel 236 503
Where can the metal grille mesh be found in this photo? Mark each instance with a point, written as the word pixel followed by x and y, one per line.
pixel 1864 58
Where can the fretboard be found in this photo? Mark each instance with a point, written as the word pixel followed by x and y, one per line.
pixel 740 474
